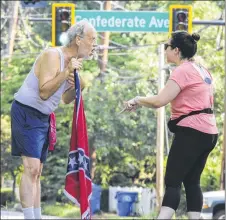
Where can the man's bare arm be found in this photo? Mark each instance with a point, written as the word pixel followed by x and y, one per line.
pixel 50 78
pixel 69 95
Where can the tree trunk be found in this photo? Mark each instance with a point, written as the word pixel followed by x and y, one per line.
pixel 14 187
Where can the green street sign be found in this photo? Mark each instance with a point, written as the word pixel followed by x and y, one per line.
pixel 123 21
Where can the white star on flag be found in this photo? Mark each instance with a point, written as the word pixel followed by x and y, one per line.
pixel 85 164
pixel 80 159
pixel 72 162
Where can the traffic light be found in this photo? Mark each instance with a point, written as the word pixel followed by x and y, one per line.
pixel 63 16
pixel 180 18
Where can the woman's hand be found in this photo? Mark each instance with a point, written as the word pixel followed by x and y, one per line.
pixel 131 105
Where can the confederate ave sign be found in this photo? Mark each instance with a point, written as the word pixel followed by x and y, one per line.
pixel 123 21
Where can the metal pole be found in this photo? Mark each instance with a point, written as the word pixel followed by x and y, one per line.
pixel 160 133
pixel 216 22
pixel 39 19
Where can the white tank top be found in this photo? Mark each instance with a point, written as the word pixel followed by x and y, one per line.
pixel 28 94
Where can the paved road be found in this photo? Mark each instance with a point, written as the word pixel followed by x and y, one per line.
pixel 19 215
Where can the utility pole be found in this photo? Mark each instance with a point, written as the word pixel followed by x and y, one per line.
pixel 13 27
pixel 160 133
pixel 105 41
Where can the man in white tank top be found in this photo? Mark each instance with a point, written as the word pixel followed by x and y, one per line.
pixel 51 78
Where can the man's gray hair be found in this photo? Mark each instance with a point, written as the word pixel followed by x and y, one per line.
pixel 76 30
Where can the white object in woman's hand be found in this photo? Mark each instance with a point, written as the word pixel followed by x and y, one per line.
pixel 131 105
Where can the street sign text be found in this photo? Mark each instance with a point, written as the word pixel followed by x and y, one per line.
pixel 122 21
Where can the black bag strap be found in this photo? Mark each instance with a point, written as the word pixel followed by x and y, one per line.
pixel 206 110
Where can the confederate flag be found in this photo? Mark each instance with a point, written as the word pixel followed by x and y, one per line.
pixel 78 184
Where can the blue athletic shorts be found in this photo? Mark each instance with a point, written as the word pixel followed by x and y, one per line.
pixel 29 129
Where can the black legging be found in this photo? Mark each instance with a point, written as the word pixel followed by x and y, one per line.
pixel 186 161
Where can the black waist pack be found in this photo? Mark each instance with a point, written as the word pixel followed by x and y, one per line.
pixel 172 124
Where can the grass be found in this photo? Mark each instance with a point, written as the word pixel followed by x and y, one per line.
pixel 72 212
pixel 7 190
pixel 61 210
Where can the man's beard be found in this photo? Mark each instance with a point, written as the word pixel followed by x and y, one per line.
pixel 93 56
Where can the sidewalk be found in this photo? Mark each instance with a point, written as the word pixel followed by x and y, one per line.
pixel 19 215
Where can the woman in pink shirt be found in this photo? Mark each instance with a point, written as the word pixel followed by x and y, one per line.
pixel 189 90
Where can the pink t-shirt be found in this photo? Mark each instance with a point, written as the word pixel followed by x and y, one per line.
pixel 195 95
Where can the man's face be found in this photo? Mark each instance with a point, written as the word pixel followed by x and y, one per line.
pixel 87 44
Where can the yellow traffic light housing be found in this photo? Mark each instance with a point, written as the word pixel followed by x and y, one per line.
pixel 180 18
pixel 63 16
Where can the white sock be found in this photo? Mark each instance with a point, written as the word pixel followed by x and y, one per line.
pixel 194 215
pixel 28 213
pixel 38 213
pixel 166 213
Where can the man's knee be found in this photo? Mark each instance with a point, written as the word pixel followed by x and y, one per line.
pixel 31 167
pixel 32 171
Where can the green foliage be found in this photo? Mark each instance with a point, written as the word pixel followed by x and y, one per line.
pixel 211 175
pixel 13 75
pixel 8 164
